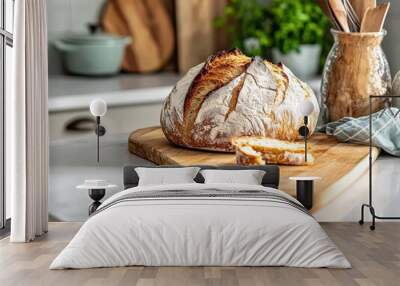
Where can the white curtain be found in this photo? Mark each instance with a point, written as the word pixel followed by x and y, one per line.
pixel 26 123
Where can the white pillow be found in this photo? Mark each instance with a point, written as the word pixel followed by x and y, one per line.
pixel 164 176
pixel 248 177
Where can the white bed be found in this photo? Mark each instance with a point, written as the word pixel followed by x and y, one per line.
pixel 267 229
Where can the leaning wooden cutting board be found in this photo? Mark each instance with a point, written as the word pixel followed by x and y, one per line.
pixel 150 27
pixel 338 164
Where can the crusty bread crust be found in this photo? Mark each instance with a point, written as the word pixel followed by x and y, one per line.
pixel 232 95
pixel 219 70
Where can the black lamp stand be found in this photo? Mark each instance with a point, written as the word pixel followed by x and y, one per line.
pixel 100 131
pixel 304 131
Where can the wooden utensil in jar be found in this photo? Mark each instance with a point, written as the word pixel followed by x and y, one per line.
pixel 328 12
pixel 361 6
pixel 352 18
pixel 374 18
pixel 340 14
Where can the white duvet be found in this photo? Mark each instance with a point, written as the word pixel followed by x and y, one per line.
pixel 200 231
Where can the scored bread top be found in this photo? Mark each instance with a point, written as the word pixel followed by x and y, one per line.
pixel 218 70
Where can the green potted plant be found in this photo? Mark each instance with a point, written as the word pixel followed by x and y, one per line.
pixel 245 22
pixel 294 31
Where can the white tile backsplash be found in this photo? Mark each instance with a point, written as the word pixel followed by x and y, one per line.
pixel 84 12
pixel 72 15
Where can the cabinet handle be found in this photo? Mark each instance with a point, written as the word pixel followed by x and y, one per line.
pixel 81 124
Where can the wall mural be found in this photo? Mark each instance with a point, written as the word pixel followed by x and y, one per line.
pixel 228 83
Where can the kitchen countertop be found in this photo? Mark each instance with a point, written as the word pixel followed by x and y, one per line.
pixel 73 160
pixel 67 93
pixel 74 92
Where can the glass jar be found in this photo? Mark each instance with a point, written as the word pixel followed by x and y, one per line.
pixel 355 68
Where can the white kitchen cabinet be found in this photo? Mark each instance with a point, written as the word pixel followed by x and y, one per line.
pixel 134 101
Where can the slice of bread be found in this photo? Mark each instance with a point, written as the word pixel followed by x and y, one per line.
pixel 245 155
pixel 262 150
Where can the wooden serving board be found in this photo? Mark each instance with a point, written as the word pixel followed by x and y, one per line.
pixel 338 164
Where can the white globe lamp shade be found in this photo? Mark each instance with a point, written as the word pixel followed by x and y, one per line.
pixel 306 108
pixel 98 107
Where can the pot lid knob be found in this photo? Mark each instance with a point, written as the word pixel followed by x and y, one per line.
pixel 93 28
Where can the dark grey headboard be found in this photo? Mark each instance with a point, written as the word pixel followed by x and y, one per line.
pixel 271 178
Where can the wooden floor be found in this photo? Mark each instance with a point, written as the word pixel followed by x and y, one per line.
pixel 375 257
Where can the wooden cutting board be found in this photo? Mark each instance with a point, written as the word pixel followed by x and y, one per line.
pixel 338 164
pixel 149 25
pixel 197 37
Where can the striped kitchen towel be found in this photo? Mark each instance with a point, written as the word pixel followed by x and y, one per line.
pixel 385 130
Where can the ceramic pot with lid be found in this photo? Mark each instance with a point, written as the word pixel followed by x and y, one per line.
pixel 94 54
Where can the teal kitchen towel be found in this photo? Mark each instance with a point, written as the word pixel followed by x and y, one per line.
pixel 385 130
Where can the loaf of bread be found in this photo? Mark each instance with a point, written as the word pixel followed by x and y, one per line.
pixel 262 150
pixel 234 95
